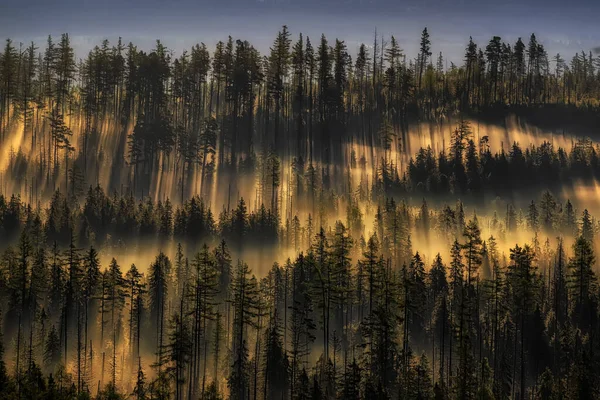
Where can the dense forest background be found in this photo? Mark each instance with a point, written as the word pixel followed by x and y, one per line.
pixel 307 224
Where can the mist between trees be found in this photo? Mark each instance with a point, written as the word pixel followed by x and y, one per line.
pixel 302 225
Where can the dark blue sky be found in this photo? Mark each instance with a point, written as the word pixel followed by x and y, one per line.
pixel 564 26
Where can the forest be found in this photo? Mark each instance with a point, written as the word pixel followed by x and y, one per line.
pixel 315 222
